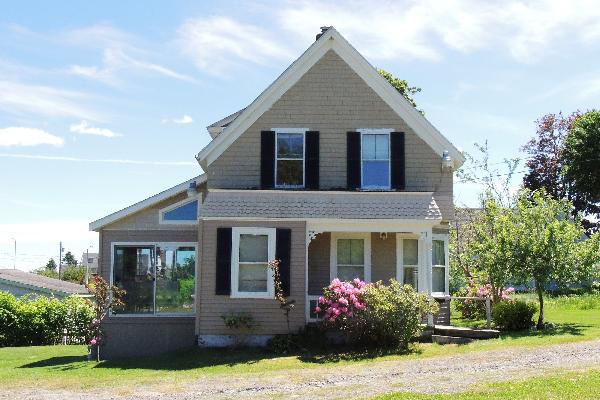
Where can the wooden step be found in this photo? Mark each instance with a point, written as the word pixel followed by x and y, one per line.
pixel 441 339
pixel 457 331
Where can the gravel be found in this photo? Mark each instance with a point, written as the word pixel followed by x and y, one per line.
pixel 445 374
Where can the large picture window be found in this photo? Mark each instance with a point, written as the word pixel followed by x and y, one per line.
pixel 439 266
pixel 252 250
pixel 289 159
pixel 158 278
pixel 375 160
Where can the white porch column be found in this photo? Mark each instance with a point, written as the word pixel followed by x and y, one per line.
pixel 425 265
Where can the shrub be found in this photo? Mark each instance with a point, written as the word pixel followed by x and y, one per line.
pixel 475 309
pixel 386 315
pixel 42 320
pixel 513 315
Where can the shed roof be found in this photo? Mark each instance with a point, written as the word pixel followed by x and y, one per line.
pixel 41 282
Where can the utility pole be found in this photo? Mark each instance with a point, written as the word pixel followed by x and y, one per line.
pixel 60 259
pixel 15 255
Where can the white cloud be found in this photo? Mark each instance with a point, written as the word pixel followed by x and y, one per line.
pixel 24 99
pixel 115 61
pixel 22 136
pixel 424 29
pixel 84 128
pixel 98 160
pixel 186 119
pixel 218 44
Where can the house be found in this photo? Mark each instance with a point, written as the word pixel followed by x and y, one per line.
pixel 329 170
pixel 90 262
pixel 21 283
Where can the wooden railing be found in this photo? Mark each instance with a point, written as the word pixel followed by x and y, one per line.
pixel 488 306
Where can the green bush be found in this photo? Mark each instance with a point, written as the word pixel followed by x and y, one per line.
pixel 470 308
pixel 42 320
pixel 513 315
pixel 392 316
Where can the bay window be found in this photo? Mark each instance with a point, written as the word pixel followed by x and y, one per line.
pixel 252 250
pixel 158 278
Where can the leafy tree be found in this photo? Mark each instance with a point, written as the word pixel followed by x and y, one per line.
pixel 46 272
pixel 546 245
pixel 401 86
pixel 69 259
pixel 74 273
pixel 581 158
pixel 51 265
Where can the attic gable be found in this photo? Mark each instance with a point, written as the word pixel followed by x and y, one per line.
pixel 329 40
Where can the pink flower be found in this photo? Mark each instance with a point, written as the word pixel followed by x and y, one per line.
pixel 317 309
pixel 343 301
pixel 93 342
pixel 321 300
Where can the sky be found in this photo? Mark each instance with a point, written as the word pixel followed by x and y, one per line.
pixel 103 104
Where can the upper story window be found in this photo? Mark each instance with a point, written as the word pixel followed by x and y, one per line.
pixel 375 159
pixel 289 158
pixel 183 212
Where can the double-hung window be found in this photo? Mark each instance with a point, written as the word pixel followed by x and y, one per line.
pixel 252 250
pixel 289 158
pixel 439 272
pixel 351 256
pixel 375 159
pixel 409 250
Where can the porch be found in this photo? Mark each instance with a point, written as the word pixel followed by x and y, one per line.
pixel 414 253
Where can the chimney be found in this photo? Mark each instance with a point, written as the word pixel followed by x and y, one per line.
pixel 323 30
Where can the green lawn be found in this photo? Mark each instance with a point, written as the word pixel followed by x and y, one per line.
pixel 66 366
pixel 557 386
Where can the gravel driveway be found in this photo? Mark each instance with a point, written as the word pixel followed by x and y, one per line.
pixel 446 374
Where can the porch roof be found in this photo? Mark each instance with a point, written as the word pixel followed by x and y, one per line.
pixel 319 204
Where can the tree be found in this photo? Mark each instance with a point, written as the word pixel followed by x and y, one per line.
pixel 581 159
pixel 51 265
pixel 401 86
pixel 547 245
pixel 69 259
pixel 74 273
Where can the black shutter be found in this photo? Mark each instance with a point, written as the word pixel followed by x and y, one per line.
pixel 223 264
pixel 283 247
pixel 397 160
pixel 311 173
pixel 353 160
pixel 267 159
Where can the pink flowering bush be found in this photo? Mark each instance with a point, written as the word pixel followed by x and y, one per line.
pixel 375 314
pixel 341 301
pixel 475 309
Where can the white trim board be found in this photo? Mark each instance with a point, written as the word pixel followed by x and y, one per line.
pixel 150 201
pixel 330 40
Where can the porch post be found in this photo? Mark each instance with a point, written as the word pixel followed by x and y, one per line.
pixel 425 276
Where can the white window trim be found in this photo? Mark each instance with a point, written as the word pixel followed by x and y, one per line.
pixel 366 236
pixel 154 314
pixel 294 131
pixel 171 207
pixel 310 298
pixel 387 132
pixel 445 239
pixel 400 257
pixel 235 261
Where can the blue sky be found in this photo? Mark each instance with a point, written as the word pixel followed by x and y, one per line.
pixel 104 104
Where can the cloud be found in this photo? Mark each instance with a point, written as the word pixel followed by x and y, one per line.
pixel 84 128
pixel 424 30
pixel 21 136
pixel 218 44
pixel 186 119
pixel 98 160
pixel 25 99
pixel 115 61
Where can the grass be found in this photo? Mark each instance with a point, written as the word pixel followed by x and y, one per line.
pixel 556 386
pixel 66 366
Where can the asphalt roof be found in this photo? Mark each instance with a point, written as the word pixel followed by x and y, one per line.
pixel 39 281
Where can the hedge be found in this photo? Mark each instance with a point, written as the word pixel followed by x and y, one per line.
pixel 38 321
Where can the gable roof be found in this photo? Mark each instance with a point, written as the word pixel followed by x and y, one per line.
pixel 150 201
pixel 330 40
pixel 40 282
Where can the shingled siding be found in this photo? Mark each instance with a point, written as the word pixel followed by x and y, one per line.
pixel 266 312
pixel 383 260
pixel 332 99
